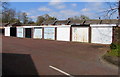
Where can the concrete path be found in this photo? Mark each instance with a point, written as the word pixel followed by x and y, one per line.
pixel 45 57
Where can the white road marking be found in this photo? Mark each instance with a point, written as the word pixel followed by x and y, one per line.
pixel 61 71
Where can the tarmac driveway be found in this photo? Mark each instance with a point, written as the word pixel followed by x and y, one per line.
pixel 45 57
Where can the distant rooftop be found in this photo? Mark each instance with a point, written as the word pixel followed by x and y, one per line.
pixel 80 22
pixel 52 22
pixel 67 22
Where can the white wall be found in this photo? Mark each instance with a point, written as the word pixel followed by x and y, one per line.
pixel 102 35
pixel 63 33
pixel 80 34
pixel 20 32
pixel 7 31
pixel 37 33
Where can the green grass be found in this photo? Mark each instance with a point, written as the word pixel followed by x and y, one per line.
pixel 115 50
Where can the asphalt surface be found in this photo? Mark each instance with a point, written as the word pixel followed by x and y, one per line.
pixel 34 57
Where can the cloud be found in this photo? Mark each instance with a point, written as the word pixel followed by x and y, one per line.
pixel 44 9
pixel 85 10
pixel 33 17
pixel 74 4
pixel 64 14
pixel 28 13
pixel 56 0
pixel 70 12
pixel 92 9
pixel 59 0
pixel 58 5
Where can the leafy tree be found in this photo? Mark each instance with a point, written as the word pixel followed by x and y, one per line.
pixel 48 18
pixel 43 18
pixel 30 21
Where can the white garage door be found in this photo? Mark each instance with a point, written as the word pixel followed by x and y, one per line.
pixel 80 34
pixel 49 33
pixel 20 32
pixel 7 31
pixel 102 35
pixel 63 33
pixel 37 33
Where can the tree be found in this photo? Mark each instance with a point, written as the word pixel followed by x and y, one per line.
pixel 24 18
pixel 9 16
pixel 18 16
pixel 79 18
pixel 84 17
pixel 30 21
pixel 49 18
pixel 40 19
pixel 3 9
pixel 4 6
pixel 113 8
pixel 43 18
pixel 119 8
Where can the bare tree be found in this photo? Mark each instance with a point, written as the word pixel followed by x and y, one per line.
pixel 113 9
pixel 119 8
pixel 24 18
pixel 40 19
pixel 9 15
pixel 77 18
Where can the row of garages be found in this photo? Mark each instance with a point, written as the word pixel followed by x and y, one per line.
pixel 102 34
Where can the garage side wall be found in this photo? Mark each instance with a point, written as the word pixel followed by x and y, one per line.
pixel 7 31
pixel 116 35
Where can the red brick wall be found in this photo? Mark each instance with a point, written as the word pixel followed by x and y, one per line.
pixel 116 35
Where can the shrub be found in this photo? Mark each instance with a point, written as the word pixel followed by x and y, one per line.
pixel 113 46
pixel 115 50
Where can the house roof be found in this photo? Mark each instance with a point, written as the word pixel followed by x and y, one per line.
pixel 4 24
pixel 60 22
pixel 67 22
pixel 52 22
pixel 76 22
pixel 112 21
pixel 92 22
pixel 86 22
pixel 9 24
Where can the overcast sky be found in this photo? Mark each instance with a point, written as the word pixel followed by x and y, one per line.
pixel 61 10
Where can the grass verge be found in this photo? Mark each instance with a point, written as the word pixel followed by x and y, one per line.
pixel 113 55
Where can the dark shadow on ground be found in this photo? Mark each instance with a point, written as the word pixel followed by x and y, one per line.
pixel 18 64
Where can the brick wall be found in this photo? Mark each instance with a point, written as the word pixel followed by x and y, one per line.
pixel 116 35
